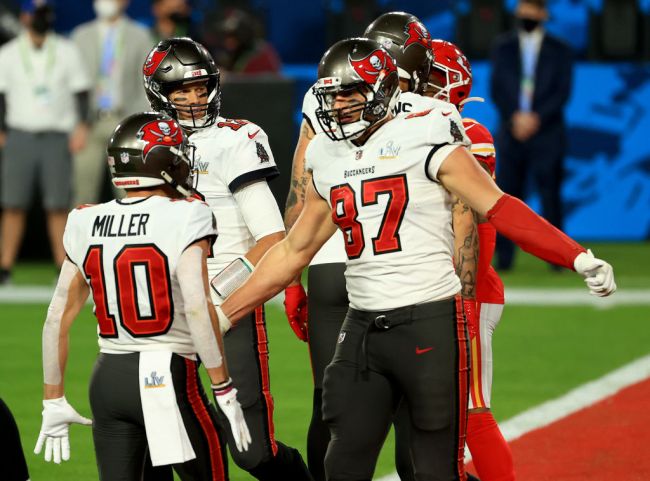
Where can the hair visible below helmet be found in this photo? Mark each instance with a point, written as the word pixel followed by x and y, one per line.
pixel 150 149
pixel 409 42
pixel 363 65
pixel 451 75
pixel 174 62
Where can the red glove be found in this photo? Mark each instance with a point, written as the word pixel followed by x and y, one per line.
pixel 469 310
pixel 295 306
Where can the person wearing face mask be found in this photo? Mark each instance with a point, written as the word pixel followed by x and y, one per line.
pixel 530 86
pixel 43 114
pixel 172 18
pixel 113 47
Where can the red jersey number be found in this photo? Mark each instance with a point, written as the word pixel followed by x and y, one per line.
pixel 345 213
pixel 158 289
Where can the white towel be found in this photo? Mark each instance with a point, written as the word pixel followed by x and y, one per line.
pixel 166 433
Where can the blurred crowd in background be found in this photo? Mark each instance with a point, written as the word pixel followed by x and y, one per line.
pixel 103 43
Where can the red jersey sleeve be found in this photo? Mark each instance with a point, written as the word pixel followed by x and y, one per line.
pixel 482 143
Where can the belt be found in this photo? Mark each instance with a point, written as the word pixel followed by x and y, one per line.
pixel 385 320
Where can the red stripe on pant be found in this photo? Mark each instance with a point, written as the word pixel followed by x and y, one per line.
pixel 202 414
pixel 476 373
pixel 263 357
pixel 463 387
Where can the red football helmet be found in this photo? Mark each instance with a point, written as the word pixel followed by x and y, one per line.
pixel 450 78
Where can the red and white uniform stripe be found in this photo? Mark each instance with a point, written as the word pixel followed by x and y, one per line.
pixel 489 287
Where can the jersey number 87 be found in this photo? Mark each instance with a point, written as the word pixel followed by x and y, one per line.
pixel 345 213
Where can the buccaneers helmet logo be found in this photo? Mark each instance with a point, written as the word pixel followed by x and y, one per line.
pixel 369 67
pixel 417 34
pixel 159 132
pixel 153 61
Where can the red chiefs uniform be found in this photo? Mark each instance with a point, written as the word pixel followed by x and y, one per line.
pixel 489 287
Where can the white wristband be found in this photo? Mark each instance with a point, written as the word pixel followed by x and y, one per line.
pixel 224 322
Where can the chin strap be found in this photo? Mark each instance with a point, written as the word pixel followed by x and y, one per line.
pixel 470 99
pixel 168 178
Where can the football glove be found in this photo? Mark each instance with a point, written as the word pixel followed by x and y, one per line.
pixel 295 306
pixel 598 274
pixel 57 417
pixel 225 396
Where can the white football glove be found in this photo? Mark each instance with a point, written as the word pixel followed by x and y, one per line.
pixel 598 274
pixel 57 417
pixel 225 395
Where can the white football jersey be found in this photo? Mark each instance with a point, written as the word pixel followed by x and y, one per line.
pixel 230 154
pixel 128 251
pixel 394 215
pixel 333 251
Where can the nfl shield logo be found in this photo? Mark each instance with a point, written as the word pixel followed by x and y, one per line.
pixel 124 157
pixel 358 154
pixel 341 337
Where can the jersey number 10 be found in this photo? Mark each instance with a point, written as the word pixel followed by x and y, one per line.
pixel 158 286
pixel 345 213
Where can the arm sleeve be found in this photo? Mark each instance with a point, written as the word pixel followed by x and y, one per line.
pixel 250 158
pixel 3 112
pixel 515 220
pixel 445 134
pixel 189 272
pixel 3 71
pixel 201 224
pixel 83 106
pixel 52 326
pixel 259 209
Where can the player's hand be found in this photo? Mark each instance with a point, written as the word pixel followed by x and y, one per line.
pixel 225 396
pixel 78 138
pixel 295 306
pixel 598 274
pixel 57 417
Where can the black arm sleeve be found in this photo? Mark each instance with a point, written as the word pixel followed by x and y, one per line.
pixel 3 113
pixel 83 105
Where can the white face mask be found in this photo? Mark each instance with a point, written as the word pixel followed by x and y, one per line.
pixel 107 8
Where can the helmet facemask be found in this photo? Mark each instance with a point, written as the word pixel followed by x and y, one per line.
pixel 182 174
pixel 378 102
pixel 200 115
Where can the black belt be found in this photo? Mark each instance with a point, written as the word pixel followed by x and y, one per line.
pixel 385 320
pixel 402 315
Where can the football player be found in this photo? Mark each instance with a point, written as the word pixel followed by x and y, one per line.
pixel 404 334
pixel 144 260
pixel 451 80
pixel 234 162
pixel 406 38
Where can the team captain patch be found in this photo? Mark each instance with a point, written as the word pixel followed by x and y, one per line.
pixel 455 131
pixel 261 153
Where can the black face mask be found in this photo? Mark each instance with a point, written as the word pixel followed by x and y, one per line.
pixel 42 20
pixel 180 19
pixel 528 24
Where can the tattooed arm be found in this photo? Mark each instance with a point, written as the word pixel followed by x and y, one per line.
pixel 300 178
pixel 465 247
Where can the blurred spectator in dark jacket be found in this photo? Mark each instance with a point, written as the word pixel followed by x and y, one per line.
pixel 237 42
pixel 172 18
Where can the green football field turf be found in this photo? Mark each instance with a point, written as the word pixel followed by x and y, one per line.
pixel 540 353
